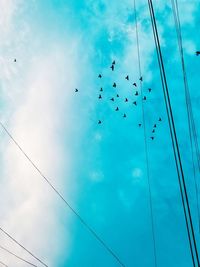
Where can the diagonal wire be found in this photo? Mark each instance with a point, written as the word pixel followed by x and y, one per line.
pixel 145 139
pixel 83 222
pixel 23 247
pixel 177 156
pixel 16 256
pixel 3 264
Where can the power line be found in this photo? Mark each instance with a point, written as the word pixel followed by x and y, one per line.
pixel 23 247
pixel 18 257
pixel 181 177
pixel 3 264
pixel 191 122
pixel 145 138
pixel 83 222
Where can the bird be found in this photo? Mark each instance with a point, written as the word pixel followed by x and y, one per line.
pixel 160 119
pixel 135 103
pixel 136 93
pixel 101 90
pixel 117 109
pixel 124 116
pixel 112 67
pixel 144 98
pixel 126 99
pixel 141 79
pixel 99 122
pixel 112 99
pixel 127 78
pixel 76 90
pixel 155 126
pixel 197 53
pixel 152 137
pixel 113 62
pixel 114 85
pixel 15 60
pixel 100 76
pixel 100 97
pixel 153 131
pixel 117 95
pixel 150 90
pixel 139 124
pixel 134 84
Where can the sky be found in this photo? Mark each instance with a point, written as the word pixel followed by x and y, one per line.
pixel 101 170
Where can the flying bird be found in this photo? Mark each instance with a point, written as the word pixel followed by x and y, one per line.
pixel 150 90
pixel 76 90
pixel 134 84
pixel 127 78
pixel 114 85
pixel 117 95
pixel 135 103
pixel 126 99
pixel 155 126
pixel 112 67
pixel 124 116
pixel 99 122
pixel 101 90
pixel 136 93
pixel 15 60
pixel 160 119
pixel 141 79
pixel 117 109
pixel 197 53
pixel 152 137
pixel 153 131
pixel 100 97
pixel 144 98
pixel 113 62
pixel 112 99
pixel 139 124
pixel 100 76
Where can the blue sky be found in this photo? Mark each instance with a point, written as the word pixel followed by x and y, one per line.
pixel 61 45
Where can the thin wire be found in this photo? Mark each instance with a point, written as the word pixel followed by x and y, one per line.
pixel 145 138
pixel 3 264
pixel 84 223
pixel 191 123
pixel 177 156
pixel 24 248
pixel 13 254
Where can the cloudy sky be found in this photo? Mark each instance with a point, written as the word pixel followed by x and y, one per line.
pixel 101 170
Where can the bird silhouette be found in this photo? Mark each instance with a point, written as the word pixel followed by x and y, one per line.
pixel 127 78
pixel 112 99
pixel 136 93
pixel 124 116
pixel 99 122
pixel 155 126
pixel 114 85
pixel 134 84
pixel 117 95
pixel 100 97
pixel 135 103
pixel 149 90
pixel 100 76
pixel 160 119
pixel 117 109
pixel 112 67
pixel 152 137
pixel 197 53
pixel 76 90
pixel 141 79
pixel 101 90
pixel 126 99
pixel 144 98
pixel 153 131
pixel 15 60
pixel 139 124
pixel 113 62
